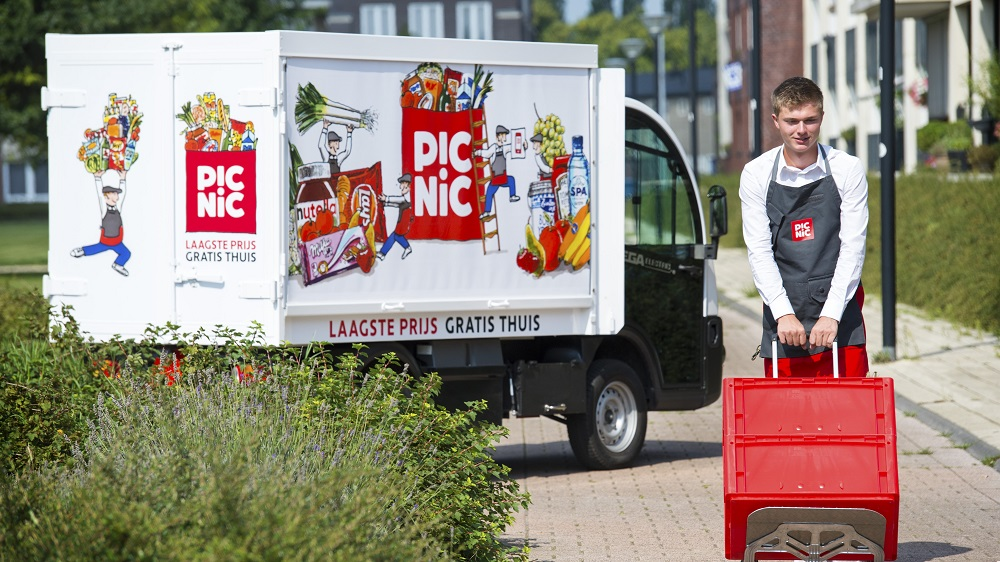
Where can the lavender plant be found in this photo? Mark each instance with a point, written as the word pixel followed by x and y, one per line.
pixel 240 451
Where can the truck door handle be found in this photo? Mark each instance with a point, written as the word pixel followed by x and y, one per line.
pixel 193 275
pixel 393 306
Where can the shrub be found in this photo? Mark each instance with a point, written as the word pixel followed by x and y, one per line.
pixel 984 158
pixel 944 135
pixel 300 457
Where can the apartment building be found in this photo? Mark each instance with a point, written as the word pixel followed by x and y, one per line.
pixel 939 48
pixel 508 20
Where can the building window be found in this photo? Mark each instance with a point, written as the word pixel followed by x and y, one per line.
pixel 42 180
pixel 24 183
pixel 17 180
pixel 474 20
pixel 378 19
pixel 850 56
pixel 425 19
pixel 871 51
pixel 831 63
pixel 814 62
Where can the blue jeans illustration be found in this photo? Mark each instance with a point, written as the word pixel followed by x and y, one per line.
pixel 491 191
pixel 391 240
pixel 123 253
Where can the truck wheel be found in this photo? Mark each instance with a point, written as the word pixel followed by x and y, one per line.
pixel 610 434
pixel 373 354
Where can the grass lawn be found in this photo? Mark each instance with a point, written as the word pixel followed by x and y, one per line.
pixel 24 230
pixel 25 242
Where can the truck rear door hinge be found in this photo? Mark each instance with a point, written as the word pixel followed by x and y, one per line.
pixel 59 97
pixel 67 287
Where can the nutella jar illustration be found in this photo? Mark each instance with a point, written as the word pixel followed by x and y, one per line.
pixel 317 209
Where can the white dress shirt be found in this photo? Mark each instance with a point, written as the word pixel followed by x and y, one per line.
pixel 849 175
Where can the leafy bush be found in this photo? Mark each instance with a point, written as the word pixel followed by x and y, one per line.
pixel 984 158
pixel 294 455
pixel 939 136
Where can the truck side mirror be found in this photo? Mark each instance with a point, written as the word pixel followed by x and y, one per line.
pixel 718 211
pixel 718 217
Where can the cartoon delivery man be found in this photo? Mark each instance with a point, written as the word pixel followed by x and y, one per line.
pixel 401 202
pixel 498 154
pixel 111 200
pixel 544 170
pixel 329 146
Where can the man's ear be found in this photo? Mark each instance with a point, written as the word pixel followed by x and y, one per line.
pixel 774 118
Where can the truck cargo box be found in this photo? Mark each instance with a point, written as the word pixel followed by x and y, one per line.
pixel 333 187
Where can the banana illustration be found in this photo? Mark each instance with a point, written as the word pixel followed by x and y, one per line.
pixel 581 235
pixel 573 232
pixel 582 257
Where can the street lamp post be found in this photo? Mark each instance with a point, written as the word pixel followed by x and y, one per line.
pixel 632 47
pixel 657 24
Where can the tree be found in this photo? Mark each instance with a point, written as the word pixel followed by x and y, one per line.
pixel 25 23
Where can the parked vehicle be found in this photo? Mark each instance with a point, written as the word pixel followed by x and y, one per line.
pixel 499 213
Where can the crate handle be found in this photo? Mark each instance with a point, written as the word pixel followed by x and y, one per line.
pixel 774 358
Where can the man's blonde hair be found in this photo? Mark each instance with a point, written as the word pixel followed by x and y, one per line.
pixel 796 92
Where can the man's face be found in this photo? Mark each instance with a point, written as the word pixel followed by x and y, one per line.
pixel 501 138
pixel 111 197
pixel 799 129
pixel 334 146
pixel 404 187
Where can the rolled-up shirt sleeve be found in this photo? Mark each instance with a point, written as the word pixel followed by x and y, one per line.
pixel 754 182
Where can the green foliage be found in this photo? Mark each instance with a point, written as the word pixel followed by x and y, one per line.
pixel 944 135
pixel 946 263
pixel 988 86
pixel 25 23
pixel 984 158
pixel 239 451
pixel 601 28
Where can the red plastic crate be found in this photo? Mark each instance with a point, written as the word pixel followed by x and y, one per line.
pixel 807 406
pixel 808 443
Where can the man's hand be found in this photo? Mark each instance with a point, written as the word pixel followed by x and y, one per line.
pixel 824 332
pixel 791 331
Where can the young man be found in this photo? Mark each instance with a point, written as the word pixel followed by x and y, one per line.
pixel 805 218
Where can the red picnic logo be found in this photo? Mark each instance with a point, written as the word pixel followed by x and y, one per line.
pixel 802 230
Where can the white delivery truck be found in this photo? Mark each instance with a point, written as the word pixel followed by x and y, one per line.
pixel 499 213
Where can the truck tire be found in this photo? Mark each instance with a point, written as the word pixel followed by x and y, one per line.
pixel 610 434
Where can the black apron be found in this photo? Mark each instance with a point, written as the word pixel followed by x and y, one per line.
pixel 805 237
pixel 334 165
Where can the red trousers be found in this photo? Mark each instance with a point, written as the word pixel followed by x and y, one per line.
pixel 853 359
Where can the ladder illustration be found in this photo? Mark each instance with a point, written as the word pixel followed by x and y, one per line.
pixel 489 226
